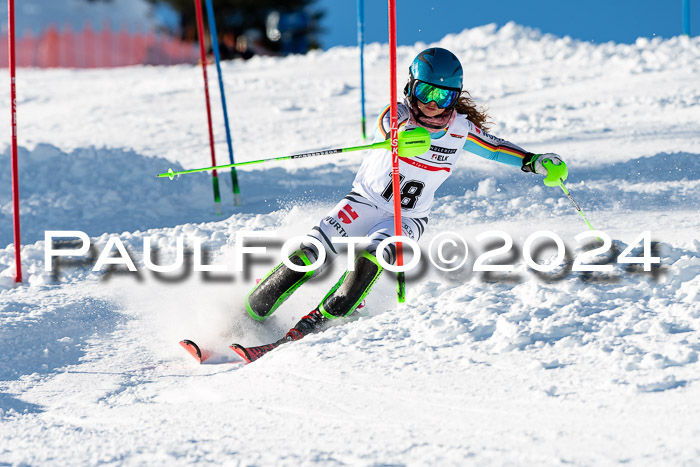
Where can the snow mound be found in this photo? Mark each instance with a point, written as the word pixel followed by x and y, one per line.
pixel 99 190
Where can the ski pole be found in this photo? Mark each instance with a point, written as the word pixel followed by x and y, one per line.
pixel 411 143
pixel 217 56
pixel 556 174
pixel 580 211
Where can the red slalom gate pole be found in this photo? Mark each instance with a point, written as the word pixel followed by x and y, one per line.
pixel 15 172
pixel 395 177
pixel 200 31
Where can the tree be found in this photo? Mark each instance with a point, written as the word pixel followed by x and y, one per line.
pixel 283 25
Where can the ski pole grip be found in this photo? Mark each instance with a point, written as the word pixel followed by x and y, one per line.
pixel 555 173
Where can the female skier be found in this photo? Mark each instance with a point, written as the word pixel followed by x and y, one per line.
pixel 434 100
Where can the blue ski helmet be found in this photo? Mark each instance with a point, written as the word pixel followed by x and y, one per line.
pixel 438 67
pixel 434 75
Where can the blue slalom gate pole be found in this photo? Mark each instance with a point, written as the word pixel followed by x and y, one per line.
pixel 686 17
pixel 361 43
pixel 217 55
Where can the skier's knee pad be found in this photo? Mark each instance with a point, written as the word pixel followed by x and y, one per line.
pixel 389 252
pixel 277 286
pixel 352 288
pixel 312 254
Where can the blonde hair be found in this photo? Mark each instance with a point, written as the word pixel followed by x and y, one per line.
pixel 476 114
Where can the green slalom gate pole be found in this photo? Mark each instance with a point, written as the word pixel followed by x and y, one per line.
pixel 411 143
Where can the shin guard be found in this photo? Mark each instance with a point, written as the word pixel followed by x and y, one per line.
pixel 276 287
pixel 352 288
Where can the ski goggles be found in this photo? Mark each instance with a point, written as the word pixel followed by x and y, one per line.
pixel 443 97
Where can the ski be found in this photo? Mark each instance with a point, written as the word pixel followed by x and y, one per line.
pixel 194 350
pixel 209 356
pixel 250 354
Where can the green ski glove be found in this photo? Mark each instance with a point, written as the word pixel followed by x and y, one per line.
pixel 550 165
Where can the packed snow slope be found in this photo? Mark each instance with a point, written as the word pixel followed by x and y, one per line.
pixel 476 368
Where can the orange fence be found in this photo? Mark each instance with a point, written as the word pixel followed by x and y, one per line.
pixel 97 49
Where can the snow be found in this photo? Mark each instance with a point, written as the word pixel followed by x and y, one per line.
pixel 477 368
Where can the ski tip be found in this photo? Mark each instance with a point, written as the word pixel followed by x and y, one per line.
pixel 241 351
pixel 192 349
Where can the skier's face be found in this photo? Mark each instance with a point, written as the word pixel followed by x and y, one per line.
pixel 430 109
